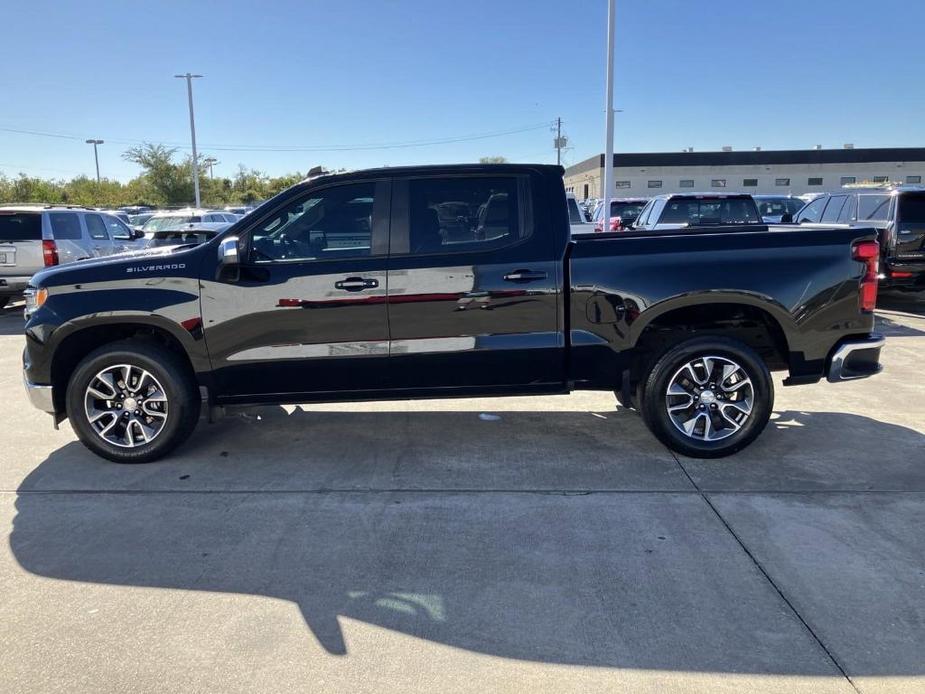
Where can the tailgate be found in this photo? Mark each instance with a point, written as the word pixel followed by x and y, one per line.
pixel 20 243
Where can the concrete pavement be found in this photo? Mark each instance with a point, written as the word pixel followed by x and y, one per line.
pixel 417 546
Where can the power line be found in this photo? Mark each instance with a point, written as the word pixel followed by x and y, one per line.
pixel 300 148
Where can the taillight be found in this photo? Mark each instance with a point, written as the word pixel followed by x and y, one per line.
pixel 868 252
pixel 899 274
pixel 616 223
pixel 49 252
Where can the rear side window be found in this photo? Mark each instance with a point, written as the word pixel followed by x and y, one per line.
pixel 849 212
pixel 474 213
pixel 65 225
pixel 912 209
pixel 833 208
pixel 95 227
pixel 20 226
pixel 574 214
pixel 873 207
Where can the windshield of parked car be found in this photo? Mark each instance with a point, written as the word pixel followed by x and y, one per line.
pixel 174 238
pixel 778 207
pixel 170 222
pixel 704 211
pixel 626 211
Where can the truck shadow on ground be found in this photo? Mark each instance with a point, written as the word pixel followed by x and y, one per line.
pixel 509 568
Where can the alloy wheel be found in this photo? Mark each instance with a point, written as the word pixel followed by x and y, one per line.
pixel 126 405
pixel 710 398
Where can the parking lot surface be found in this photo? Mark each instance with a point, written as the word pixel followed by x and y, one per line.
pixel 398 546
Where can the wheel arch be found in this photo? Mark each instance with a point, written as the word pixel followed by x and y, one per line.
pixel 79 339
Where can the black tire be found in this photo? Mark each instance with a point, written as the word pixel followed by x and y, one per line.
pixel 665 371
pixel 183 403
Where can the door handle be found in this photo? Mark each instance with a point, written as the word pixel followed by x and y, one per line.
pixel 356 284
pixel 524 276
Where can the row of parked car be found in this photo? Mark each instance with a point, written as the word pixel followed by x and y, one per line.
pixel 33 237
pixel 897 212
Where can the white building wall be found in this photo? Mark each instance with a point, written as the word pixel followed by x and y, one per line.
pixel 797 175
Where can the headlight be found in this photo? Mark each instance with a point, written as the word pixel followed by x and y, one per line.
pixel 35 298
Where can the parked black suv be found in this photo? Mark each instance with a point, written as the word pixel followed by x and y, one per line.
pixel 898 214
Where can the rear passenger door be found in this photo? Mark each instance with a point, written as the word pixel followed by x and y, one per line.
pixel 71 240
pixel 473 285
pixel 100 242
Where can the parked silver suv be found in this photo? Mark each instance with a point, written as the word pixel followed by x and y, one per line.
pixel 33 237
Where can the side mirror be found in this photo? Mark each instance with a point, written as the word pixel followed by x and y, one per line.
pixel 228 252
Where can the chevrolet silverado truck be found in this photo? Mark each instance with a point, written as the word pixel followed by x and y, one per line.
pixel 449 281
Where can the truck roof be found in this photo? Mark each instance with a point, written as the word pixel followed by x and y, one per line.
pixel 429 169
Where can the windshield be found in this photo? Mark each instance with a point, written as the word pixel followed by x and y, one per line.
pixel 702 212
pixel 778 207
pixel 626 211
pixel 169 222
pixel 174 238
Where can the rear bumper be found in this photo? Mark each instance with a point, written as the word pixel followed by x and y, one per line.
pixel 13 286
pixel 855 358
pixel 40 396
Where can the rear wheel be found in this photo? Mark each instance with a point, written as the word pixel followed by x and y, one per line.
pixel 708 397
pixel 132 401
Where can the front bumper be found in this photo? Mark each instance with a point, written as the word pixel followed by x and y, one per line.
pixel 40 396
pixel 856 358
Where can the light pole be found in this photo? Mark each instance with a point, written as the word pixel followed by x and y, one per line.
pixel 607 178
pixel 192 129
pixel 210 162
pixel 96 158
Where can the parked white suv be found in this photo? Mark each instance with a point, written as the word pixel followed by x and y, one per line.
pixel 33 237
pixel 682 210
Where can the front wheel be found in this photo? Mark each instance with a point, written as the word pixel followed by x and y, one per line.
pixel 132 401
pixel 708 397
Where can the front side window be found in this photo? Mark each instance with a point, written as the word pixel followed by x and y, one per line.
pixel 912 209
pixel 326 224
pixel 117 229
pixel 812 213
pixel 96 227
pixel 65 225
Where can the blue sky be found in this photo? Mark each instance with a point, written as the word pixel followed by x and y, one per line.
pixel 781 74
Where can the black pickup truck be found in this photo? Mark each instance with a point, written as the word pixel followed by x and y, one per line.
pixel 449 281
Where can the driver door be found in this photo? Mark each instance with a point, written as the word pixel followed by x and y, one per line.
pixel 306 311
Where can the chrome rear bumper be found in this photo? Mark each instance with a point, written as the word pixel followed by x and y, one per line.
pixel 856 358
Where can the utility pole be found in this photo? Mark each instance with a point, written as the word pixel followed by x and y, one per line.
pixel 96 157
pixel 559 141
pixel 210 162
pixel 607 178
pixel 192 128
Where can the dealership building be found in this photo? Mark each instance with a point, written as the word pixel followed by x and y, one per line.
pixel 791 171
